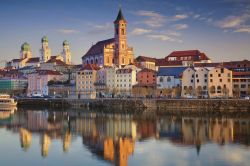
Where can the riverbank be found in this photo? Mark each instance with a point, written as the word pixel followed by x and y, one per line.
pixel 135 105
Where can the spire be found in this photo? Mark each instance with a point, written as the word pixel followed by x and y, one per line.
pixel 119 16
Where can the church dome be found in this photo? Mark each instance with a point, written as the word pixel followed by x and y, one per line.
pixel 45 39
pixel 25 47
pixel 65 42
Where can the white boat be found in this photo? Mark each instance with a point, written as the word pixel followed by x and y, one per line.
pixel 7 101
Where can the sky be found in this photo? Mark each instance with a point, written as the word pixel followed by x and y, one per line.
pixel 219 28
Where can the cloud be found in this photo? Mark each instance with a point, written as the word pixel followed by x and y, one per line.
pixel 68 31
pixel 164 37
pixel 100 28
pixel 230 22
pixel 160 37
pixel 181 26
pixel 153 19
pixel 235 23
pixel 246 29
pixel 196 16
pixel 180 16
pixel 176 34
pixel 140 31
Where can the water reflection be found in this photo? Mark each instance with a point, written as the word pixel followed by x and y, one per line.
pixel 113 137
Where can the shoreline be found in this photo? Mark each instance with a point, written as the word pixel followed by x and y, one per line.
pixel 138 105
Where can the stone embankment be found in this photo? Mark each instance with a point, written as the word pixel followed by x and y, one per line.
pixel 158 105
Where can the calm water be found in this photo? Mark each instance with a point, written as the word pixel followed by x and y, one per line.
pixel 36 138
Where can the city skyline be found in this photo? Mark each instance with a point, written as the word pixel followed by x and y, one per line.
pixel 220 29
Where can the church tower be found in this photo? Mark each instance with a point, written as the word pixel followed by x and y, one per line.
pixel 66 52
pixel 45 50
pixel 25 51
pixel 120 25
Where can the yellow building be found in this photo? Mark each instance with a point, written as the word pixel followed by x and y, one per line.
pixel 220 82
pixel 112 51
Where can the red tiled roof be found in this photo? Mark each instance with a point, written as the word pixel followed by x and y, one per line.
pixel 48 72
pixel 192 53
pixel 147 70
pixel 163 62
pixel 98 47
pixel 33 60
pixel 91 67
pixel 184 53
pixel 57 61
pixel 145 59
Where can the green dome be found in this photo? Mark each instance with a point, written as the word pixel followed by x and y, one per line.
pixel 25 47
pixel 65 42
pixel 45 39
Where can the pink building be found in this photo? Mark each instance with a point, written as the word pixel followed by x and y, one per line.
pixel 38 81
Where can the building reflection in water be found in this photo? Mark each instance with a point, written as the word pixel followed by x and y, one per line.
pixel 25 138
pixel 112 137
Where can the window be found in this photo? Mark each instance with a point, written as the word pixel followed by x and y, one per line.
pixel 229 75
pixel 211 75
pixel 243 86
pixel 222 70
pixel 205 80
pixel 205 75
pixel 192 81
pixel 192 76
pixel 168 79
pixel 229 80
pixel 161 79
pixel 123 32
pixel 219 89
pixel 196 76
pixel 211 80
pixel 220 80
pixel 198 80
pixel 219 75
pixel 204 87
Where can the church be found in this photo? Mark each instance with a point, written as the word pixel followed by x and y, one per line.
pixel 114 51
pixel 26 59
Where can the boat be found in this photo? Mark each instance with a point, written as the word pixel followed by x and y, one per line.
pixel 6 101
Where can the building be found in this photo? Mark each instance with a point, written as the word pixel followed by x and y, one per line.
pixel 146 62
pixel 146 77
pixel 45 52
pixel 13 85
pixel 201 82
pixel 241 76
pixel 126 78
pixel 183 58
pixel 111 51
pixel 85 80
pixel 188 82
pixel 169 77
pixel 39 80
pixel 66 54
pixel 220 82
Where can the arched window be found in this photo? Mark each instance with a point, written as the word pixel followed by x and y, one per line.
pixel 161 79
pixel 96 61
pixel 123 32
pixel 218 89
pixel 87 61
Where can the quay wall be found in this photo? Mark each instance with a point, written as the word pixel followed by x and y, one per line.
pixel 159 105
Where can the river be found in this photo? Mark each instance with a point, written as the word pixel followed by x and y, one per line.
pixel 80 137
